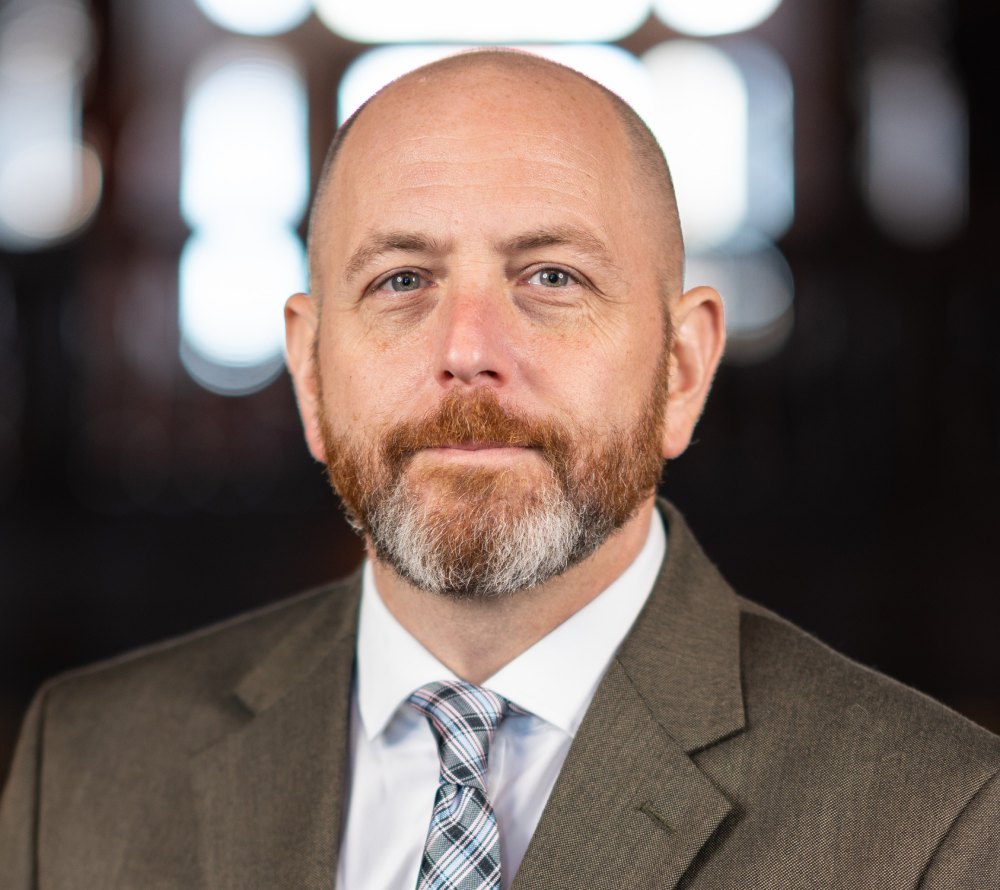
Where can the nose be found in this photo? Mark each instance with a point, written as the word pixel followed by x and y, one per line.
pixel 475 340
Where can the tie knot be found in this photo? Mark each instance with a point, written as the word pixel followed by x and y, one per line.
pixel 463 718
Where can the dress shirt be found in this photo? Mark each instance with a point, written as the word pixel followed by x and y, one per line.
pixel 394 758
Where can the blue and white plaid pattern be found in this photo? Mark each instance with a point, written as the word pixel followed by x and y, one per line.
pixel 463 843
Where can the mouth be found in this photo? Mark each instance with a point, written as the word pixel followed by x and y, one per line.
pixel 473 446
pixel 478 452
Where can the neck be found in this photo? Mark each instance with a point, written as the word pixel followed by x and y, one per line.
pixel 475 639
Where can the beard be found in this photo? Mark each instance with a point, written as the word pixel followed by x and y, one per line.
pixel 484 533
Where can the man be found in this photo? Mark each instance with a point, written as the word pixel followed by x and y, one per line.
pixel 538 681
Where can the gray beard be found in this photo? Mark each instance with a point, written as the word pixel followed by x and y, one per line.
pixel 502 551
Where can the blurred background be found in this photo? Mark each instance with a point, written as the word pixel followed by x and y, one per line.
pixel 836 167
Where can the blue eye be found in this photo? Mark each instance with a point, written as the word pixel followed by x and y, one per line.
pixel 403 281
pixel 551 278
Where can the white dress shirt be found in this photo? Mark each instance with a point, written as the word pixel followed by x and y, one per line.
pixel 394 758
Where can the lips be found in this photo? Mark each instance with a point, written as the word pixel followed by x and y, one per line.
pixel 476 446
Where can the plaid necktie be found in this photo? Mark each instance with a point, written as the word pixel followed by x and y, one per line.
pixel 463 844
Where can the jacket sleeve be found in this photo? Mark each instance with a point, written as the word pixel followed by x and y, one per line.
pixel 969 855
pixel 19 806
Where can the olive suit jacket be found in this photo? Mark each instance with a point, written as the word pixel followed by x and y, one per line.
pixel 724 748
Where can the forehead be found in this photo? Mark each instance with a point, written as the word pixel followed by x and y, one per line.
pixel 455 138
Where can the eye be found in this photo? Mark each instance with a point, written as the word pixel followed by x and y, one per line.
pixel 551 278
pixel 401 282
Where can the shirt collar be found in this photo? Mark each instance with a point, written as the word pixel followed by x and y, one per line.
pixel 555 679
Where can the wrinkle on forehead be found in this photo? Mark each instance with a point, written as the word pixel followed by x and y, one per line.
pixel 584 148
pixel 414 174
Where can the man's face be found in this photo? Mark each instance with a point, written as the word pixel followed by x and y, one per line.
pixel 491 354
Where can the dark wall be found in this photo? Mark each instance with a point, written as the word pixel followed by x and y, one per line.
pixel 849 481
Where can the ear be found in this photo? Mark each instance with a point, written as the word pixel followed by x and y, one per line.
pixel 301 330
pixel 699 337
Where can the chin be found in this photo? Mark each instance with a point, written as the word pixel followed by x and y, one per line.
pixel 489 489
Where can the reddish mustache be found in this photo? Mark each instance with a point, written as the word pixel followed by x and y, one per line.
pixel 473 419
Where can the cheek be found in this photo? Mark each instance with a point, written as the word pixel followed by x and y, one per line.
pixel 366 387
pixel 603 381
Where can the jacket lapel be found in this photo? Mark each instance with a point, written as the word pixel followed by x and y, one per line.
pixel 631 808
pixel 270 791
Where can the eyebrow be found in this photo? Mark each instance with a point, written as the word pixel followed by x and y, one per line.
pixel 382 243
pixel 560 236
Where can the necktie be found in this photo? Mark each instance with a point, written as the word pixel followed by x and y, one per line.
pixel 462 851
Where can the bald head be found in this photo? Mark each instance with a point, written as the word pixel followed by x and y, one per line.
pixel 514 79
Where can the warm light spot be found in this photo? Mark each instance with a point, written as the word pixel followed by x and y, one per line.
pixel 402 21
pixel 48 191
pixel 614 68
pixel 244 187
pixel 770 137
pixel 233 285
pixel 704 18
pixel 756 285
pixel 258 17
pixel 243 140
pixel 916 166
pixel 50 181
pixel 702 126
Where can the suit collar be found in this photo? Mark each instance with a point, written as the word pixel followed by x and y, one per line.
pixel 631 808
pixel 683 654
pixel 328 629
pixel 582 646
pixel 269 788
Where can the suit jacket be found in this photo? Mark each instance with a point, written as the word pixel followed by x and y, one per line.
pixel 724 748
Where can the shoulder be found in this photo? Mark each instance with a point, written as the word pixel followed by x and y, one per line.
pixel 108 756
pixel 884 761
pixel 817 752
pixel 792 676
pixel 799 692
pixel 893 776
pixel 167 682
